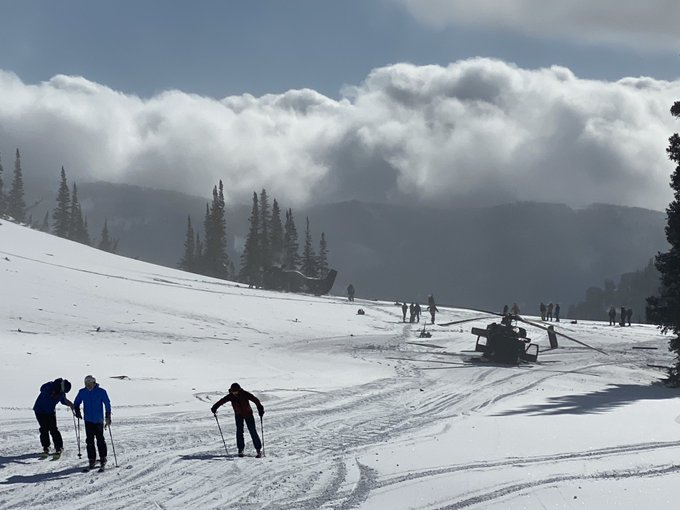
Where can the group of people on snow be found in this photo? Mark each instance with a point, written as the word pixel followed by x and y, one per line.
pixel 97 416
pixel 415 310
pixel 549 311
pixel 625 316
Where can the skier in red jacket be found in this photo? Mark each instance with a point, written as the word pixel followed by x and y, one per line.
pixel 239 399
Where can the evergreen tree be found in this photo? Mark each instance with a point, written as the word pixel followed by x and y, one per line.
pixel 3 198
pixel 322 263
pixel 16 207
pixel 664 308
pixel 276 235
pixel 187 263
pixel 309 263
pixel 250 258
pixel 265 231
pixel 45 227
pixel 105 242
pixel 215 258
pixel 77 231
pixel 291 256
pixel 62 214
pixel 198 255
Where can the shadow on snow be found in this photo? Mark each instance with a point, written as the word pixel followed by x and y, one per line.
pixel 42 477
pixel 596 402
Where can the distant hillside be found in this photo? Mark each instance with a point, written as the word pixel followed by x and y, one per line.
pixel 478 257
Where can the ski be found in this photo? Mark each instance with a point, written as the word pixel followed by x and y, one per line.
pixel 56 456
pixel 43 455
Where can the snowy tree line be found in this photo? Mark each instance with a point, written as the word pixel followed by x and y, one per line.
pixel 271 241
pixel 67 217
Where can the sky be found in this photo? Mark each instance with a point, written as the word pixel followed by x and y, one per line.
pixel 432 102
pixel 360 411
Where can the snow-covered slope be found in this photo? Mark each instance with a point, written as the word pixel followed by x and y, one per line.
pixel 360 412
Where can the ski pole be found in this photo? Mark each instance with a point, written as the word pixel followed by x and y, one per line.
pixel 115 459
pixel 76 429
pixel 218 426
pixel 262 430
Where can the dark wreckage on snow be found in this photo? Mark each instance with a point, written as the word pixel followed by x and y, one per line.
pixel 289 280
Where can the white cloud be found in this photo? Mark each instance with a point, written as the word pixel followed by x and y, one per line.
pixel 642 25
pixel 476 130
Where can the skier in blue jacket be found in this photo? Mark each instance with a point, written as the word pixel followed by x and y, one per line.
pixel 93 397
pixel 51 393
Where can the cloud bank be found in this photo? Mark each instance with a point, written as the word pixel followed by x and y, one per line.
pixel 476 131
pixel 649 25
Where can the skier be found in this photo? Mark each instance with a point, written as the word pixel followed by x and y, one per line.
pixel 93 397
pixel 242 412
pixel 418 312
pixel 557 312
pixel 622 320
pixel 404 309
pixel 549 314
pixel 350 292
pixel 612 316
pixel 542 309
pixel 50 394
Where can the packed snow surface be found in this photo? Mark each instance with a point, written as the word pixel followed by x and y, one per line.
pixel 360 411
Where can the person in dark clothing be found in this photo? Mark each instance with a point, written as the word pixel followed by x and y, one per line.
pixel 239 399
pixel 51 393
pixel 542 310
pixel 94 398
pixel 629 315
pixel 557 312
pixel 412 313
pixel 432 309
pixel 404 309
pixel 350 292
pixel 622 320
pixel 505 310
pixel 612 316
pixel 418 312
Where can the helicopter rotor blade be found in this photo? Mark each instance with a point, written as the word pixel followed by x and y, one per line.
pixel 462 321
pixel 541 326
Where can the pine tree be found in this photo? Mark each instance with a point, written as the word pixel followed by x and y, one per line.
pixel 77 230
pixel 250 258
pixel 45 227
pixel 198 255
pixel 16 207
pixel 105 242
pixel 664 309
pixel 62 214
pixel 291 257
pixel 187 263
pixel 3 198
pixel 309 263
pixel 322 261
pixel 265 231
pixel 276 235
pixel 215 258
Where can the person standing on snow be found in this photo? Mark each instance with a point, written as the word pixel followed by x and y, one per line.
pixel 404 309
pixel 51 393
pixel 93 397
pixel 239 399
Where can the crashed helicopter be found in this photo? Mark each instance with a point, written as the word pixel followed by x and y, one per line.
pixel 505 342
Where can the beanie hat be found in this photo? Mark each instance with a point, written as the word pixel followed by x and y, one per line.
pixel 235 386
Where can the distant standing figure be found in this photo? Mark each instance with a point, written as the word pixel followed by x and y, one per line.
pixel 418 312
pixel 622 320
pixel 240 400
pixel 515 309
pixel 612 316
pixel 505 310
pixel 542 308
pixel 557 312
pixel 412 312
pixel 549 315
pixel 51 393
pixel 432 309
pixel 350 292
pixel 629 315
pixel 94 398
pixel 404 309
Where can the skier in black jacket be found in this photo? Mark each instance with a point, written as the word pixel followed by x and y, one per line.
pixel 51 393
pixel 239 399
